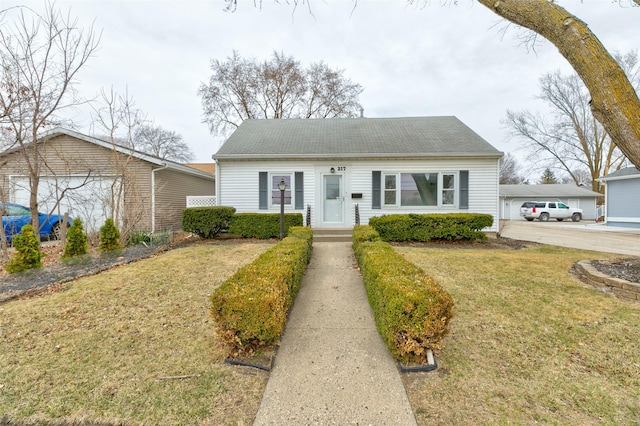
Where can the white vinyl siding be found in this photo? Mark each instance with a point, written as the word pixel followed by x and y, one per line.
pixel 483 185
pixel 239 185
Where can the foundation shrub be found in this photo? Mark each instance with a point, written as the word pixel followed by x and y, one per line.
pixel 250 308
pixel 28 254
pixel 412 311
pixel 362 233
pixel 427 227
pixel 262 225
pixel 207 222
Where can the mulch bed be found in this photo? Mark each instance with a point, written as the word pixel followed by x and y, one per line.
pixel 624 268
pixel 56 271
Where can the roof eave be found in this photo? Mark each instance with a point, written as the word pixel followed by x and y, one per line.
pixel 356 156
pixel 606 179
pixel 58 131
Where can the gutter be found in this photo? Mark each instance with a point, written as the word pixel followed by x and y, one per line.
pixel 153 196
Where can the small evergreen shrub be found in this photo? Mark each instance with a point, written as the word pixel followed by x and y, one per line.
pixel 109 237
pixel 262 225
pixel 207 222
pixel 250 308
pixel 28 254
pixel 427 227
pixel 77 242
pixel 412 311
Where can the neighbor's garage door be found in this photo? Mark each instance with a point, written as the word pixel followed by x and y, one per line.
pixel 87 198
pixel 514 208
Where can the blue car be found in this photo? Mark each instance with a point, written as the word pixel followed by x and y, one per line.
pixel 15 216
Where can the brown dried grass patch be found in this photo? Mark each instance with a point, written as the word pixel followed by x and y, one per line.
pixel 529 344
pixel 133 345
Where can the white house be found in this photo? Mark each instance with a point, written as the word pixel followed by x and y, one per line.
pixel 333 167
pixel 512 197
pixel 622 198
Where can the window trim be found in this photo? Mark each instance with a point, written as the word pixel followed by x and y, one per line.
pixel 290 188
pixel 440 190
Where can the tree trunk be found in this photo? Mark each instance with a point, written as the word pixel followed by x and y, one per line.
pixel 614 102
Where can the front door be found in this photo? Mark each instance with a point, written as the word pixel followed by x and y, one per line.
pixel 333 200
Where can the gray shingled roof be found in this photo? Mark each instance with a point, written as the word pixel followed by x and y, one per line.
pixel 540 192
pixel 355 138
pixel 621 174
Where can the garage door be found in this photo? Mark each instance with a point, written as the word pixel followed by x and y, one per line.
pixel 514 208
pixel 86 198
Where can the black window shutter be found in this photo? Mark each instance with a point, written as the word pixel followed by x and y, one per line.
pixel 376 180
pixel 299 182
pixel 464 189
pixel 263 190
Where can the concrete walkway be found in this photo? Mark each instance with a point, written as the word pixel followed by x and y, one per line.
pixel 333 367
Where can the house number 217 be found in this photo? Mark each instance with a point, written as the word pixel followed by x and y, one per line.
pixel 341 168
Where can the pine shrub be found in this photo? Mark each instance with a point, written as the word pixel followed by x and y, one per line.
pixel 109 237
pixel 77 242
pixel 28 254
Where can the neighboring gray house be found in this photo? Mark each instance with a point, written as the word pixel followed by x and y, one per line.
pixel 512 197
pixel 622 199
pixel 380 165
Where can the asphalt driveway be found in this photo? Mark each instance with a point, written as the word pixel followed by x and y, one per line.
pixel 586 235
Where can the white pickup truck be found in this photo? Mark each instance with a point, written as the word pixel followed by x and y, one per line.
pixel 545 210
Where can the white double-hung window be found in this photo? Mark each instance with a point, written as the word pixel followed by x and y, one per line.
pixel 434 189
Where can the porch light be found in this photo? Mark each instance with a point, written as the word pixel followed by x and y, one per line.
pixel 282 186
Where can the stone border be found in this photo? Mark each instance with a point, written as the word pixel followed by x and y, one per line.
pixel 622 289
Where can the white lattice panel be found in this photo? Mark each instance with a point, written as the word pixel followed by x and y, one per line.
pixel 201 201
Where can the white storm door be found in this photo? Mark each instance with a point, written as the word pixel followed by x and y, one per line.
pixel 332 199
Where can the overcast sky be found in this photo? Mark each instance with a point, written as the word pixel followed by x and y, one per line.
pixel 411 61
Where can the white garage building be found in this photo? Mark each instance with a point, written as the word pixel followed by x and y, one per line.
pixel 512 197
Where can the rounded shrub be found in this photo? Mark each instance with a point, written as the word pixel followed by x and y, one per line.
pixel 28 254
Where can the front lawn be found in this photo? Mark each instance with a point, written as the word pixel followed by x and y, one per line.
pixel 529 343
pixel 134 345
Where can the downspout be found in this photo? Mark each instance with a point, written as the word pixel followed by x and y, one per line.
pixel 217 182
pixel 153 197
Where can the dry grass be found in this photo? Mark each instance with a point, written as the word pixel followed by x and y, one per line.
pixel 110 348
pixel 529 343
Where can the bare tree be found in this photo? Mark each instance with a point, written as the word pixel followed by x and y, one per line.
pixel 614 101
pixel 510 170
pixel 570 137
pixel 120 120
pixel 165 144
pixel 280 87
pixel 40 57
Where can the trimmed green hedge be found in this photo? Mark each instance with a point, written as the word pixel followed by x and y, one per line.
pixel 250 308
pixel 426 227
pixel 262 225
pixel 412 312
pixel 206 222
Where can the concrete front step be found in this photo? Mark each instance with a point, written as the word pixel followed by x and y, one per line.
pixel 332 235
